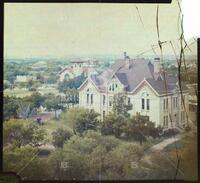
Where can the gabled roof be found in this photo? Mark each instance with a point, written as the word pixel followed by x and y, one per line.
pixel 131 77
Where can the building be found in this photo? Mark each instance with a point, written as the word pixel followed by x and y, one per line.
pixel 144 85
pixel 77 68
pixel 24 78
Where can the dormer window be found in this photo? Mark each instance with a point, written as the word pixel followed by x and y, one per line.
pixel 88 90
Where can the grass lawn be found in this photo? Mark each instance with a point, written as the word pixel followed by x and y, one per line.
pixel 17 93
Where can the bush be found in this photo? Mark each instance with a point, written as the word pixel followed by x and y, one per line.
pixel 60 136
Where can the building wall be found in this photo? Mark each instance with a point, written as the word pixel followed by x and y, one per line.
pixel 154 104
pixel 157 112
pixel 85 102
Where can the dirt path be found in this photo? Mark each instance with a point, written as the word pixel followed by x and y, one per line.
pixel 158 148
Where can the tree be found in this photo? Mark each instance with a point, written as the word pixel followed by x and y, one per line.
pixel 53 103
pixel 10 105
pixel 60 136
pixel 72 83
pixel 120 105
pixel 22 132
pixel 86 121
pixel 36 99
pixel 139 127
pixel 113 125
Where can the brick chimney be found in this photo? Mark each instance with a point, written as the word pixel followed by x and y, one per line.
pixel 127 61
pixel 157 66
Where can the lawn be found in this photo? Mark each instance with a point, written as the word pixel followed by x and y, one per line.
pixel 18 92
pixel 54 124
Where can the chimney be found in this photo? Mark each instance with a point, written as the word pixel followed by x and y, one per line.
pixel 127 61
pixel 156 65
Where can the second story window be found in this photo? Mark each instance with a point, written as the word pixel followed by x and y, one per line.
pixel 91 98
pixel 129 100
pixel 104 99
pixel 164 104
pixel 113 87
pixel 148 104
pixel 87 98
pixel 143 103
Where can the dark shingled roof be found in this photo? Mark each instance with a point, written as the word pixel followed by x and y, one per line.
pixel 138 70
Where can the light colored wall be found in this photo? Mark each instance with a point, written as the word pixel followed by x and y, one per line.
pixel 153 112
pixel 96 98
pixel 156 112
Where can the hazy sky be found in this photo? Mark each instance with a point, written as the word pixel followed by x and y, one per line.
pixel 62 29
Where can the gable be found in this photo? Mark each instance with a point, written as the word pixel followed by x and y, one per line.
pixel 87 84
pixel 144 85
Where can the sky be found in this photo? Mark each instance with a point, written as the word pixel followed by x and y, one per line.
pixel 63 29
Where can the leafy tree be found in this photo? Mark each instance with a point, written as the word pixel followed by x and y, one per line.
pixel 21 132
pixel 113 125
pixel 36 99
pixel 10 105
pixel 60 136
pixel 72 83
pixel 120 105
pixel 53 103
pixel 139 127
pixel 86 121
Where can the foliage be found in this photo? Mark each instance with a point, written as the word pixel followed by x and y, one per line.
pixel 53 103
pixel 60 136
pixel 120 105
pixel 36 99
pixel 72 83
pixel 26 163
pixel 86 120
pixel 21 132
pixel 10 107
pixel 113 124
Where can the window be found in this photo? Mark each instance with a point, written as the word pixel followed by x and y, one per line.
pixel 110 88
pixel 91 98
pixel 163 120
pixel 176 101
pixel 79 65
pixel 142 103
pixel 113 87
pixel 87 98
pixel 110 101
pixel 167 103
pixel 164 104
pixel 104 99
pixel 166 123
pixel 129 100
pixel 148 104
pixel 88 90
